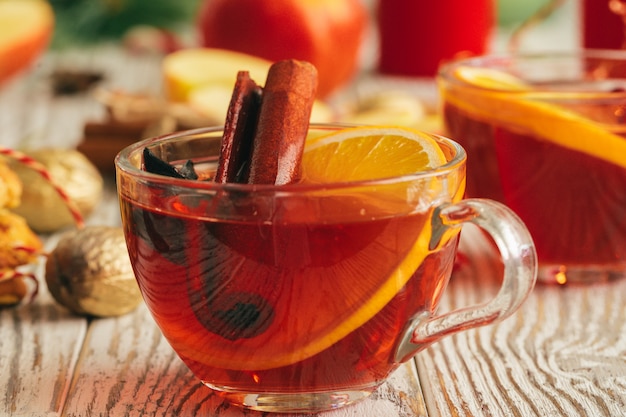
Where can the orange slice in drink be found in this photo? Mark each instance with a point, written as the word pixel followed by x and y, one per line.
pixel 491 78
pixel 363 153
pixel 317 302
pixel 504 99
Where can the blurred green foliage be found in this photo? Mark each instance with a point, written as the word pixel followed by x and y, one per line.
pixel 514 12
pixel 83 22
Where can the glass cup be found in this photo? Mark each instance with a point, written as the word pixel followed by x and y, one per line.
pixel 545 135
pixel 305 297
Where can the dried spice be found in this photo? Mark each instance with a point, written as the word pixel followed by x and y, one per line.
pixel 232 315
pixel 263 142
pixel 12 291
pixel 239 130
pixel 10 187
pixel 65 82
pixel 267 134
pixel 19 246
pixel 156 165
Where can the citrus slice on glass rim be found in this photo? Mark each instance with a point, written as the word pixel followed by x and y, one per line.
pixel 369 152
pixel 501 98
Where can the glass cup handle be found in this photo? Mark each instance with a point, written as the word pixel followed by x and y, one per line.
pixel 520 272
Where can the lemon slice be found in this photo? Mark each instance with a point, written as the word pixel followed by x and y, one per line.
pixel 299 332
pixel 365 153
pixel 549 121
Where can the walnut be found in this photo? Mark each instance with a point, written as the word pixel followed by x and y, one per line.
pixel 89 272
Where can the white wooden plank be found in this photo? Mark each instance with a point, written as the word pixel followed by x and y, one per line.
pixel 128 369
pixel 40 342
pixel 562 354
pixel 39 346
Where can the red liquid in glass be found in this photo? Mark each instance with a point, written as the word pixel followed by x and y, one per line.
pixel 240 301
pixel 602 29
pixel 573 204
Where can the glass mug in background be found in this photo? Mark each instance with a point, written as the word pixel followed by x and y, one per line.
pixel 416 36
pixel 305 297
pixel 545 134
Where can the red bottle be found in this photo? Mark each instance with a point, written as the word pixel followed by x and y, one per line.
pixel 416 36
pixel 602 28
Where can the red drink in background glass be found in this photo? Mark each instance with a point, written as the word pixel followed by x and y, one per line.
pixel 416 36
pixel 602 28
pixel 569 201
pixel 572 201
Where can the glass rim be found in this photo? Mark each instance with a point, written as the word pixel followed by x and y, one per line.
pixel 123 165
pixel 445 72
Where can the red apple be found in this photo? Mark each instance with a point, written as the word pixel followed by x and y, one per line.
pixel 25 29
pixel 327 33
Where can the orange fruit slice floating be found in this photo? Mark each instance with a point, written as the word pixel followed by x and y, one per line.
pixel 375 275
pixel 505 99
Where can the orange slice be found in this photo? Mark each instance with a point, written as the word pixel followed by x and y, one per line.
pixel 364 153
pixel 491 78
pixel 380 269
pixel 504 99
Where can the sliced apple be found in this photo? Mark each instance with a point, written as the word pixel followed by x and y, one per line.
pixel 190 69
pixel 388 108
pixel 204 78
pixel 26 27
pixel 212 101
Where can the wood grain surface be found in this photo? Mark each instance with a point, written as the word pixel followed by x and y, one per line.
pixel 562 354
pixel 53 363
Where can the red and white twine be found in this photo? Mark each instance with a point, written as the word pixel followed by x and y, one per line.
pixel 41 170
pixel 7 275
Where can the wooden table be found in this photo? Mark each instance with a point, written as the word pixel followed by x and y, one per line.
pixel 562 354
